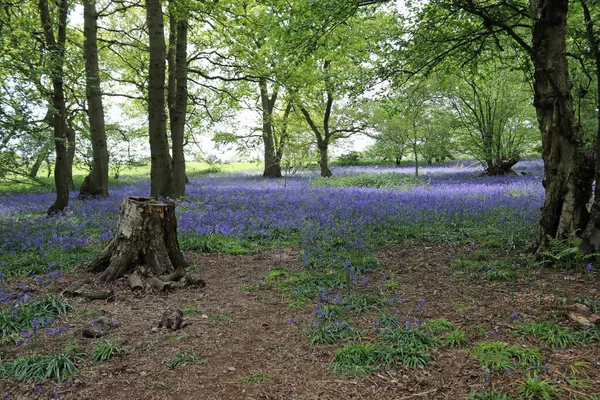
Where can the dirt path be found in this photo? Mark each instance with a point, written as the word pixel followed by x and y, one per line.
pixel 247 335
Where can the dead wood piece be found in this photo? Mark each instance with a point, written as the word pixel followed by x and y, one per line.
pixel 175 276
pixel 135 283
pixel 71 290
pixel 96 294
pixel 171 319
pixel 81 288
pixel 159 285
pixel 194 279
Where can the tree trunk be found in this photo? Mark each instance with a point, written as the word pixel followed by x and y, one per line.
pixel 70 153
pixel 39 159
pixel 56 50
pixel 272 161
pixel 160 166
pixel 501 167
pixel 567 180
pixel 178 112
pixel 146 235
pixel 96 183
pixel 324 160
pixel 591 234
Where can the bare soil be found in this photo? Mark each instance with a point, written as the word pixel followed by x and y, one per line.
pixel 258 341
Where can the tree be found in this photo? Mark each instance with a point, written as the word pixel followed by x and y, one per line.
pixel 96 183
pixel 492 107
pixel 55 45
pixel 160 167
pixel 539 31
pixel 177 93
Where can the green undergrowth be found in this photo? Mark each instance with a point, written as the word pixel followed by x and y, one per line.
pixel 216 244
pixel 389 180
pixel 37 368
pixel 34 262
pixel 498 356
pixel 34 314
pixel 474 268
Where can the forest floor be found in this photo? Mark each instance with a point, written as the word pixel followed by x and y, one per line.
pixel 252 345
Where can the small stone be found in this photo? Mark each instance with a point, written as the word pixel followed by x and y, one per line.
pixel 231 369
pixel 154 329
pixel 204 316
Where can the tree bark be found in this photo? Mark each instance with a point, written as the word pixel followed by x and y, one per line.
pixel 145 235
pixel 591 233
pixel 567 178
pixel 272 160
pixel 96 183
pixel 160 166
pixel 56 49
pixel 178 112
pixel 39 159
pixel 324 160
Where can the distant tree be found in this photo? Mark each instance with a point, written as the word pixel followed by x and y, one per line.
pixel 96 183
pixel 496 119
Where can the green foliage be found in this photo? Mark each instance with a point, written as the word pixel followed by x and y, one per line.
pixel 37 368
pixel 360 304
pixel 384 180
pixel 189 310
pixel 25 263
pixel 497 356
pixel 498 271
pixel 221 318
pixel 537 388
pixel 183 358
pixel 34 315
pixel 105 350
pixel 359 359
pixel 566 253
pixel 347 159
pixel 306 284
pixel 439 325
pixel 489 395
pixel 456 338
pixel 215 244
pixel 333 332
pixel 254 378
pixel 550 333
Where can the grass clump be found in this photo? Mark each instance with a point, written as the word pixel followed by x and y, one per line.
pixel 190 310
pixel 105 350
pixel 254 378
pixel 221 318
pixel 489 395
pixel 549 333
pixel 439 325
pixel 334 332
pixel 456 338
pixel 532 387
pixel 37 368
pixel 498 356
pixel 32 315
pixel 360 304
pixel 183 358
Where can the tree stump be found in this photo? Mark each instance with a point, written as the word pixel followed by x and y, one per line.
pixel 146 235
